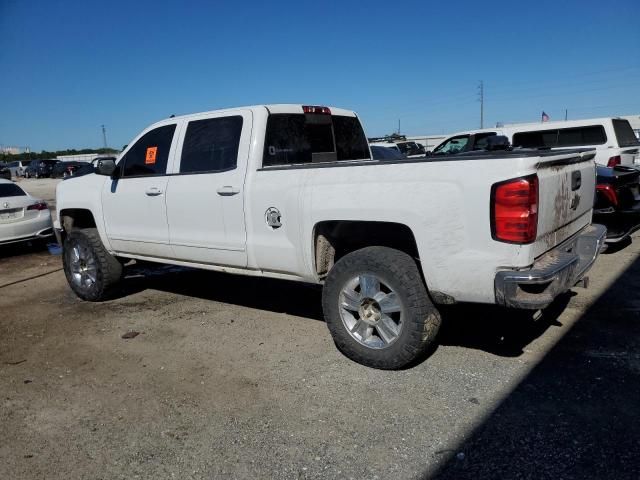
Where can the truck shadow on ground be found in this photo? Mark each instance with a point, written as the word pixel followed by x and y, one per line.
pixel 22 248
pixel 575 415
pixel 499 331
pixel 273 295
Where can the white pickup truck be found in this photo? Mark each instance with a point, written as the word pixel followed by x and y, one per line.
pixel 291 192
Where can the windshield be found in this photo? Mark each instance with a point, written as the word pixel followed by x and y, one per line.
pixel 453 145
pixel 11 190
pixel 624 134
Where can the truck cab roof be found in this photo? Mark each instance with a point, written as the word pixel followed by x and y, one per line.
pixel 270 108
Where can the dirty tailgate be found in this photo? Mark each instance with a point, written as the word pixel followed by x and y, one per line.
pixel 566 193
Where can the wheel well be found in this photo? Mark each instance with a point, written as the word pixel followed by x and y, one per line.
pixel 334 239
pixel 74 218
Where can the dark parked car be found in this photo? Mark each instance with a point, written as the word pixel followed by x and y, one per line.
pixel 5 172
pixel 45 167
pixel 384 153
pixel 40 168
pixel 31 170
pixel 66 169
pixel 617 201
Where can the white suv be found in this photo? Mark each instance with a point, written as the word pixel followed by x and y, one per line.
pixel 17 168
pixel 613 139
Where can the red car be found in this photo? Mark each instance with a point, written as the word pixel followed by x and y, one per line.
pixel 617 201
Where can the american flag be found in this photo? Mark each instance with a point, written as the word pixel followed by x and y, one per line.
pixel 545 117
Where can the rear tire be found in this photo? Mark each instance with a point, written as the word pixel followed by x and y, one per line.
pixel 377 308
pixel 91 271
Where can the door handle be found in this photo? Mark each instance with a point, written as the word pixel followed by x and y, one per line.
pixel 153 191
pixel 227 191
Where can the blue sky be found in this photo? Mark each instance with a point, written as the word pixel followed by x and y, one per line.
pixel 70 66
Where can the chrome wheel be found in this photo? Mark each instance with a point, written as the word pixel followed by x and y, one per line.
pixel 371 311
pixel 83 266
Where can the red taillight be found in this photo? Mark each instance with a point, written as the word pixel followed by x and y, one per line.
pixel 613 161
pixel 38 206
pixel 316 109
pixel 608 192
pixel 514 210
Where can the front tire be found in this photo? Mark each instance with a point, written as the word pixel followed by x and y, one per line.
pixel 91 271
pixel 377 308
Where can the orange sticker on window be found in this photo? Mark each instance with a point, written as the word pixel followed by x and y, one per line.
pixel 150 159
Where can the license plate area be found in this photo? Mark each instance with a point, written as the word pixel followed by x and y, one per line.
pixel 11 214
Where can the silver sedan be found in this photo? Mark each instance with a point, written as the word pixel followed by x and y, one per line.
pixel 22 217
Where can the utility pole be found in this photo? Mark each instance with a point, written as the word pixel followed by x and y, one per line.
pixel 565 114
pixel 104 136
pixel 481 98
pixel 398 126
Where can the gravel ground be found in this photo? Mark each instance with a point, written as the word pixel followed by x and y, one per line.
pixel 237 377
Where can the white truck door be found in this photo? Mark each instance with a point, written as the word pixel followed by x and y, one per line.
pixel 205 196
pixel 134 206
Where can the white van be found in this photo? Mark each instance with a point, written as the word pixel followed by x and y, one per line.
pixel 613 139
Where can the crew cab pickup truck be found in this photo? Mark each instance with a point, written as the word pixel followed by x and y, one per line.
pixel 291 192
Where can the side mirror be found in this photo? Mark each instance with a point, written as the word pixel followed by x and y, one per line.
pixel 106 167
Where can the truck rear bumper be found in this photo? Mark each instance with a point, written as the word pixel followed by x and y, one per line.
pixel 553 273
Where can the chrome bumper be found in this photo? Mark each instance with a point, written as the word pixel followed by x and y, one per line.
pixel 553 273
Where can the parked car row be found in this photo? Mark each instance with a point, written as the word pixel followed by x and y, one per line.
pixel 47 168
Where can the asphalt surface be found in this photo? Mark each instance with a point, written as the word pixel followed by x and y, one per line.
pixel 237 377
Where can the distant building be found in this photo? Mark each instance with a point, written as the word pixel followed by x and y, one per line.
pixel 9 150
pixel 84 157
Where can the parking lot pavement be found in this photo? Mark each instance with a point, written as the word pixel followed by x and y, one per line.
pixel 237 377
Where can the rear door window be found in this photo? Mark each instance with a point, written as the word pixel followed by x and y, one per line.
pixel 293 139
pixel 624 133
pixel 150 154
pixel 211 145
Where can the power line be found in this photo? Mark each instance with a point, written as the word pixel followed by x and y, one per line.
pixel 104 136
pixel 481 93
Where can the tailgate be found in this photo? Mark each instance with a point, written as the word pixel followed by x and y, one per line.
pixel 630 156
pixel 566 195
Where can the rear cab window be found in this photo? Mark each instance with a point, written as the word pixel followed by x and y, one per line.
pixel 303 138
pixel 624 133
pixel 561 137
